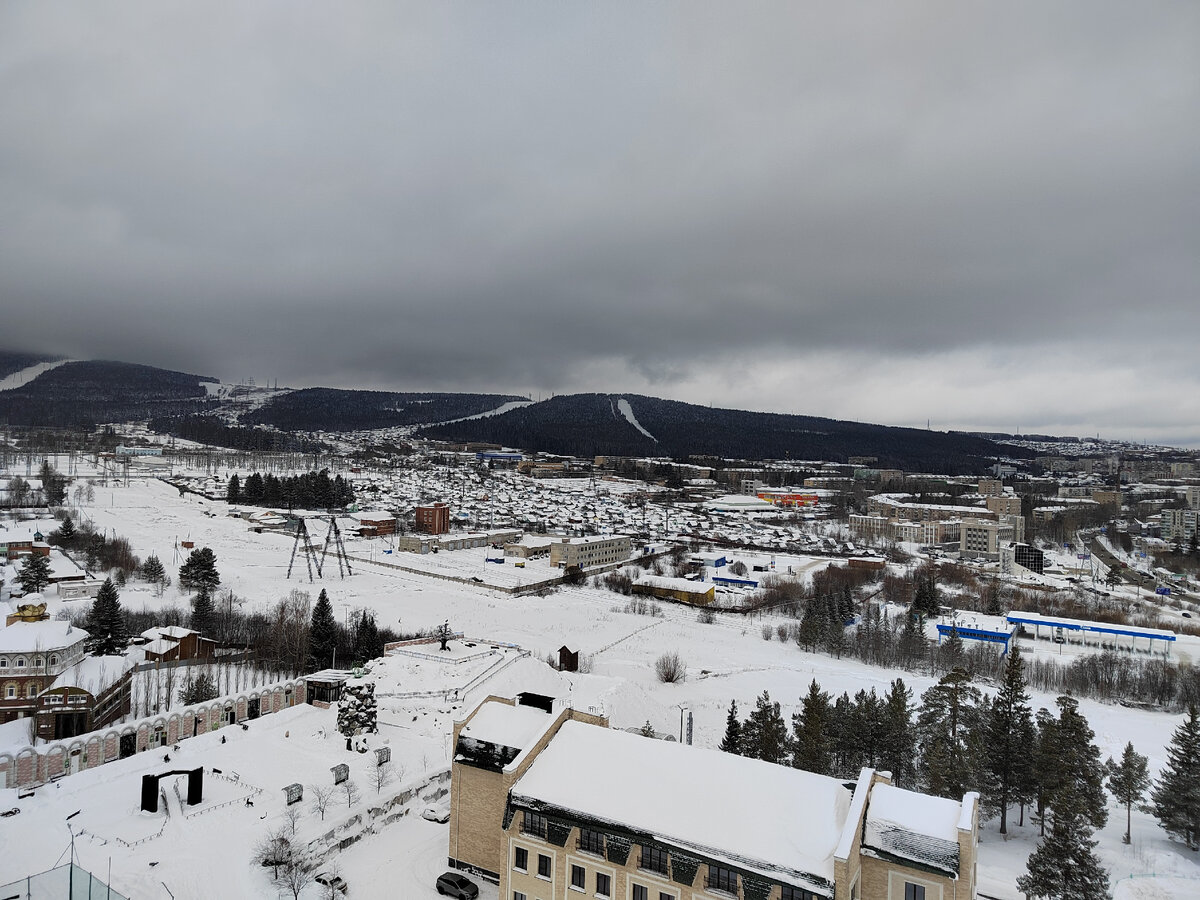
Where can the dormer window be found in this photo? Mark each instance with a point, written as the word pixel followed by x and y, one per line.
pixel 54 659
pixel 20 662
pixel 3 662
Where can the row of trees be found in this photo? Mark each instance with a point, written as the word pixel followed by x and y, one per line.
pixel 958 739
pixel 313 490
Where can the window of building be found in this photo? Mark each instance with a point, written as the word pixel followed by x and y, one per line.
pixel 578 878
pixel 795 893
pixel 544 865
pixel 20 662
pixel 3 662
pixel 641 892
pixel 53 659
pixel 663 895
pixel 534 824
pixel 39 662
pixel 31 690
pixel 54 700
pixel 722 879
pixel 654 859
pixel 77 698
pixel 913 891
pixel 520 859
pixel 10 692
pixel 591 841
pixel 603 885
pixel 517 895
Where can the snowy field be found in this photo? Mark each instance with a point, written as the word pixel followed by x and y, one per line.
pixel 208 855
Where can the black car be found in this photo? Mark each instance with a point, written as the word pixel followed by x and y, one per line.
pixel 451 884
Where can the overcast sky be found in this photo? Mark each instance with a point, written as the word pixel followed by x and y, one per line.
pixel 986 216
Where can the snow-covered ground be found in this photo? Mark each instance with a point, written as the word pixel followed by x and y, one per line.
pixel 208 855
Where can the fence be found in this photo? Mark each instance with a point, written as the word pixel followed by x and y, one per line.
pixel 68 881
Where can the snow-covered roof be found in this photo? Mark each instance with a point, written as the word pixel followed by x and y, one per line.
pixel 93 673
pixel 516 727
pixel 167 632
pixel 674 584
pixel 159 646
pixel 913 826
pixel 37 636
pixel 656 787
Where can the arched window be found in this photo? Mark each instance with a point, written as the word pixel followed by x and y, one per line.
pixel 54 659
pixel 10 691
pixel 3 662
pixel 39 661
pixel 31 690
pixel 20 662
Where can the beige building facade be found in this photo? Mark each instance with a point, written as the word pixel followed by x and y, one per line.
pixel 590 551
pixel 592 813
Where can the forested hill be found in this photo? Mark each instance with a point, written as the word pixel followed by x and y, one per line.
pixel 86 393
pixel 15 362
pixel 327 409
pixel 594 424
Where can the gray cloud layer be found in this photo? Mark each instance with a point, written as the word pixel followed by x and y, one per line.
pixel 877 213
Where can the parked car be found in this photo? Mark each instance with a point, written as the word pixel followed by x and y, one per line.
pixel 329 880
pixel 451 884
pixel 433 814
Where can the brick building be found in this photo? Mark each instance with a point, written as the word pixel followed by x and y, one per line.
pixel 433 519
pixel 32 656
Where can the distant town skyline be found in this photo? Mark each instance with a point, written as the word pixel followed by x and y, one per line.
pixel 984 218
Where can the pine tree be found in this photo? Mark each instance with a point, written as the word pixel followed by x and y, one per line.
pixel 1009 737
pixel 764 736
pixel 233 493
pixel 950 654
pixel 198 690
pixel 200 570
pixel 34 573
pixel 1065 866
pixel 925 600
pixel 203 612
pixel 732 742
pixel 1128 781
pixel 367 645
pixel 810 732
pixel 897 742
pixel 322 636
pixel 949 712
pixel 1176 796
pixel 1081 769
pixel 106 622
pixel 54 486
pixel 66 532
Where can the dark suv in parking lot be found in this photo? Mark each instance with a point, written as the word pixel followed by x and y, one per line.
pixel 451 884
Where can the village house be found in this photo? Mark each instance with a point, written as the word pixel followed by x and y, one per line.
pixel 32 655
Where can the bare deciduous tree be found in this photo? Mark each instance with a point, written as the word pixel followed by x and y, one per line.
pixel 321 795
pixel 274 850
pixel 670 668
pixel 293 813
pixel 350 789
pixel 383 775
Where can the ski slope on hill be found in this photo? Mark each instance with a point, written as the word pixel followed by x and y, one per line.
pixel 26 375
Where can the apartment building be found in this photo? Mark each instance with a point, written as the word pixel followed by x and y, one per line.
pixel 590 551
pixel 579 808
pixel 1179 524
pixel 1004 505
pixel 433 519
pixel 978 537
pixel 991 487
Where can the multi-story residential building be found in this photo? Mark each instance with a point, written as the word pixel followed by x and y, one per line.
pixel 978 537
pixel 433 519
pixel 589 551
pixel 556 804
pixel 32 656
pixel 991 487
pixel 1179 524
pixel 1107 498
pixel 1192 492
pixel 868 526
pixel 1004 505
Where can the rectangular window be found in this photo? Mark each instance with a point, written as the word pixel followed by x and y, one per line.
pixel 534 824
pixel 578 878
pixel 641 892
pixel 663 895
pixel 520 859
pixel 517 895
pixel 543 865
pixel 722 879
pixel 591 841
pixel 603 885
pixel 913 891
pixel 795 893
pixel 654 859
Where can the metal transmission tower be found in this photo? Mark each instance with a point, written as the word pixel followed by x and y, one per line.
pixel 335 535
pixel 310 552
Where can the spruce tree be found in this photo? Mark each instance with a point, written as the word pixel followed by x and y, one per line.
pixel 1176 795
pixel 925 600
pixel 198 690
pixel 66 532
pixel 1009 737
pixel 367 645
pixel 322 636
pixel 1082 771
pixel 106 623
pixel 811 749
pixel 199 571
pixel 153 571
pixel 34 573
pixel 1065 866
pixel 203 612
pixel 233 493
pixel 732 742
pixel 1128 781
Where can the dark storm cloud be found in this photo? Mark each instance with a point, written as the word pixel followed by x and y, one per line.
pixel 742 201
